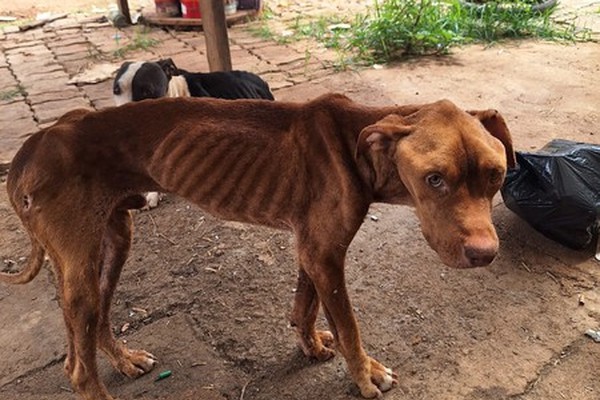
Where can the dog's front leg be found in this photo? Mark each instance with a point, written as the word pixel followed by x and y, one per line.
pixel 327 275
pixel 314 343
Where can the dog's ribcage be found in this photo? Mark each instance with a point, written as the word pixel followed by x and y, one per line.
pixel 244 173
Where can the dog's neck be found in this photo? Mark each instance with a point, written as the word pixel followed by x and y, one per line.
pixel 178 87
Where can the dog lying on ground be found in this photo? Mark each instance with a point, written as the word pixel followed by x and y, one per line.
pixel 141 80
pixel 312 168
pixel 137 81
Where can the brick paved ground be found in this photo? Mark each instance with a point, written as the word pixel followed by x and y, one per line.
pixel 36 65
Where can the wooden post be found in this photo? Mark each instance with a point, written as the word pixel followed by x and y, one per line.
pixel 215 33
pixel 124 10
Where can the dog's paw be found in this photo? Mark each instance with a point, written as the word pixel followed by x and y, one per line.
pixel 320 346
pixel 136 363
pixel 152 199
pixel 381 380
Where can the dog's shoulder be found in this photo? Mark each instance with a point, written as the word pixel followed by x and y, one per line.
pixel 331 101
pixel 73 115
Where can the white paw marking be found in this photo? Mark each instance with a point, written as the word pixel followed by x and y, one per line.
pixel 152 199
pixel 387 384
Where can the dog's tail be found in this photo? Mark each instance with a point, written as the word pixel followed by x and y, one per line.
pixel 34 264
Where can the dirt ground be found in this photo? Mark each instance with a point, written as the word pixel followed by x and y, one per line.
pixel 211 298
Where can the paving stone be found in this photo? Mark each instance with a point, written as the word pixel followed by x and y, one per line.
pixel 43 35
pixel 197 42
pixel 243 36
pixel 68 92
pixel 309 76
pixel 243 54
pixel 41 86
pixel 28 51
pixel 95 25
pixel 73 67
pixel 253 64
pixel 99 91
pixel 11 29
pixel 191 61
pixel 15 59
pixel 3 62
pixel 6 79
pixel 83 55
pixel 35 67
pixel 277 80
pixel 14 111
pixel 262 67
pixel 169 47
pixel 101 35
pixel 99 104
pixel 65 27
pixel 278 55
pixel 72 49
pixel 66 42
pixel 12 137
pixel 110 46
pixel 11 94
pixel 136 55
pixel 52 110
pixel 18 45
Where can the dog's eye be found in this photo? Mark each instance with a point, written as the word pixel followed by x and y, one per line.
pixel 495 177
pixel 116 90
pixel 434 180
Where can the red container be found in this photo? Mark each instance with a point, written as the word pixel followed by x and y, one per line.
pixel 190 9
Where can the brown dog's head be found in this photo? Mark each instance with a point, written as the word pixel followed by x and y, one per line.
pixel 451 163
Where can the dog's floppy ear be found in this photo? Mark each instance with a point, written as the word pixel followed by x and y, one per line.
pixel 495 124
pixel 169 67
pixel 382 134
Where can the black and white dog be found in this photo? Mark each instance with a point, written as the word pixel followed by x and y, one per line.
pixel 141 80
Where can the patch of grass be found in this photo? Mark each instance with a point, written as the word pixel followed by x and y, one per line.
pixel 397 28
pixel 10 94
pixel 415 27
pixel 140 41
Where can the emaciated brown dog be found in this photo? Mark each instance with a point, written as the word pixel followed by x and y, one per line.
pixel 311 168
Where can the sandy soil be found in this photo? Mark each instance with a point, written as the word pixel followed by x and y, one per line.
pixel 211 298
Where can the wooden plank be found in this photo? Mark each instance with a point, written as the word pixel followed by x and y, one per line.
pixel 153 19
pixel 215 33
pixel 124 10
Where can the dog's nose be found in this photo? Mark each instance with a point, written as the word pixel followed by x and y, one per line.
pixel 480 255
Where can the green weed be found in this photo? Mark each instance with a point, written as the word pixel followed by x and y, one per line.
pixel 140 41
pixel 397 28
pixel 12 93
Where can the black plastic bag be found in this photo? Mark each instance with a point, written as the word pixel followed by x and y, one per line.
pixel 557 191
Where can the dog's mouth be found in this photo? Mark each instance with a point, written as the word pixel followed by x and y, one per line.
pixel 474 253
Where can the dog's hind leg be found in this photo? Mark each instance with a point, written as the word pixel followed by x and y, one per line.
pixel 116 243
pixel 78 262
pixel 314 343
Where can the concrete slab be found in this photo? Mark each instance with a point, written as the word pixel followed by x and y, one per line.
pixel 14 111
pixel 278 55
pixel 56 84
pixel 28 313
pixel 12 136
pixel 52 110
pixel 39 66
pixel 65 93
